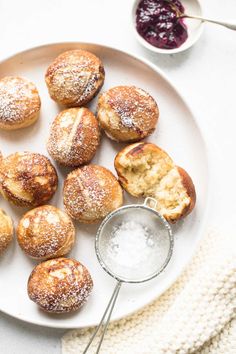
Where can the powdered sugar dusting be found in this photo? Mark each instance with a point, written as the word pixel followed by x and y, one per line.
pixel 45 232
pixel 52 218
pixel 19 99
pixel 74 137
pixel 75 77
pixel 28 179
pixel 26 223
pixel 130 243
pixel 60 285
pixel 6 231
pixel 91 192
pixel 136 111
pixel 66 120
pixel 135 248
pixel 134 106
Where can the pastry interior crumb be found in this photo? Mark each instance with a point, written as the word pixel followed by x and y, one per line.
pixel 156 176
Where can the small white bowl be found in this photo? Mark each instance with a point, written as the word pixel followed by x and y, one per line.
pixel 195 28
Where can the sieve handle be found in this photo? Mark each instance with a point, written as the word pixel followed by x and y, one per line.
pixel 103 322
pixel 150 202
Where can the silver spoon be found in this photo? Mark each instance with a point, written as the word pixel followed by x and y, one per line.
pixel 158 252
pixel 229 25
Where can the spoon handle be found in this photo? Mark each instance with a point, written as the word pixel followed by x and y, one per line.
pixel 230 25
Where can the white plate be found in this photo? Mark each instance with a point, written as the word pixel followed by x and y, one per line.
pixel 177 133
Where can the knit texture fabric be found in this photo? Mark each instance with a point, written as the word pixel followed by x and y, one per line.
pixel 196 315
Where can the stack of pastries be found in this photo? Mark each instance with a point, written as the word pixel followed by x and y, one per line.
pixel 127 114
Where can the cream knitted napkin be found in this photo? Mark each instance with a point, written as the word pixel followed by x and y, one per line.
pixel 196 315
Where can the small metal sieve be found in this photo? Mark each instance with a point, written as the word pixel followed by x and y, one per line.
pixel 146 259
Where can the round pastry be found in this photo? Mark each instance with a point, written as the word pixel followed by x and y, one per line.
pixel 6 231
pixel 60 285
pixel 46 232
pixel 74 137
pixel 90 193
pixel 146 170
pixel 19 103
pixel 27 179
pixel 127 113
pixel 75 77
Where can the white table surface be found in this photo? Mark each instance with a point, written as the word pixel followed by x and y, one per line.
pixel 205 75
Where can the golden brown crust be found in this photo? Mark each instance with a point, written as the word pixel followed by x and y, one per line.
pixel 6 231
pixel 60 285
pixel 127 113
pixel 75 77
pixel 145 170
pixel 134 152
pixel 190 189
pixel 46 232
pixel 90 193
pixel 74 137
pixel 27 179
pixel 19 103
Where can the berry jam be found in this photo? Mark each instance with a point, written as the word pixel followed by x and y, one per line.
pixel 158 23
